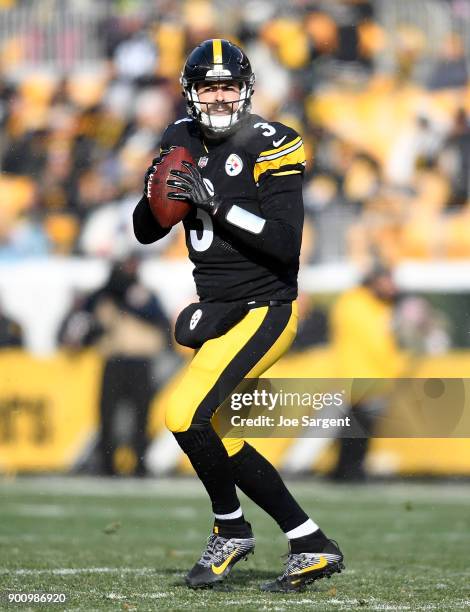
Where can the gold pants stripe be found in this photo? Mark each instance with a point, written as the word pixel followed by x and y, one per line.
pixel 247 350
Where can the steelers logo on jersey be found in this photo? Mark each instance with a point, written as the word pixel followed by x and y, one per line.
pixel 233 165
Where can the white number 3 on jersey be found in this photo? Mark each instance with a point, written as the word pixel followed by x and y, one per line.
pixel 202 241
pixel 268 130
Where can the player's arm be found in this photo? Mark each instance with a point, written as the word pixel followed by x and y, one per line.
pixel 146 227
pixel 276 232
pixel 278 172
pixel 282 209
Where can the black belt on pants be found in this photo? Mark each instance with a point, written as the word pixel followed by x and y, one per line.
pixel 258 303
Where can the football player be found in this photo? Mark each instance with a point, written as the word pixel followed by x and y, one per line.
pixel 243 235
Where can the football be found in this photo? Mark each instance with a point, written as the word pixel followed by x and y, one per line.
pixel 168 212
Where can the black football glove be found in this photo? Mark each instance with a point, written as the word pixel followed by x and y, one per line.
pixel 151 169
pixel 192 189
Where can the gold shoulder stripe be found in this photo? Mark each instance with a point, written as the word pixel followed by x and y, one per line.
pixel 293 156
pixel 286 172
pixel 282 148
pixel 217 50
pixel 295 146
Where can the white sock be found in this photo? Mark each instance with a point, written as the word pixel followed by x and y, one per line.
pixel 302 530
pixel 232 515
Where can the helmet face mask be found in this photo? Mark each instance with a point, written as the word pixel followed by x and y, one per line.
pixel 215 62
pixel 207 113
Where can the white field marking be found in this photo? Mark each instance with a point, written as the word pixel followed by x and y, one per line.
pixel 371 604
pixel 34 537
pixel 64 511
pixel 379 606
pixel 38 510
pixel 115 596
pixel 310 604
pixel 294 602
pixel 256 602
pixel 48 511
pixel 184 487
pixel 102 486
pixel 72 571
pixel 393 607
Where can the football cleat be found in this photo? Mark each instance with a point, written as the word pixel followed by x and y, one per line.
pixel 225 546
pixel 305 567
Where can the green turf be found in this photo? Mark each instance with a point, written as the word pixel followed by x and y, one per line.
pixel 125 545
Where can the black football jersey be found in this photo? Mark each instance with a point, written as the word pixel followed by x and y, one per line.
pixel 256 170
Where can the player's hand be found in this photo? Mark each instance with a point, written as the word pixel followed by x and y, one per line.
pixel 191 187
pixel 153 167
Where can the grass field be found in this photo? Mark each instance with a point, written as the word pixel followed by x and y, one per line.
pixel 125 545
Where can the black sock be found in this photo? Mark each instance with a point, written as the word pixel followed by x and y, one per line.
pixel 313 542
pixel 260 481
pixel 211 463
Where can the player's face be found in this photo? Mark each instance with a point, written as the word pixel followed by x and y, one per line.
pixel 219 98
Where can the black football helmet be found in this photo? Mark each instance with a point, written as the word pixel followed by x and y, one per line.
pixel 217 60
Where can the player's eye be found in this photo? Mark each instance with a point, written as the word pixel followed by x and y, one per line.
pixel 207 89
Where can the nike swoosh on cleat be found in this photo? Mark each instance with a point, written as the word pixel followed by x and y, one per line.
pixel 276 143
pixel 319 565
pixel 219 569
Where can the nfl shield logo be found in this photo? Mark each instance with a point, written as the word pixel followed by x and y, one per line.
pixel 202 163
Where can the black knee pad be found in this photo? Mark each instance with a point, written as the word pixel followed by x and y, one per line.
pixel 195 438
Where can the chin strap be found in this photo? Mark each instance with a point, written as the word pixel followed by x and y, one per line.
pixel 206 120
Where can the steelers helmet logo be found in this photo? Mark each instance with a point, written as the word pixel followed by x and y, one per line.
pixel 233 165
pixel 195 319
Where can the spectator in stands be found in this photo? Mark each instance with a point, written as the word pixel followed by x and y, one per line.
pixel 364 347
pixel 313 324
pixel 11 333
pixel 455 158
pixel 126 324
pixel 450 69
pixel 78 142
pixel 420 328
pixel 25 237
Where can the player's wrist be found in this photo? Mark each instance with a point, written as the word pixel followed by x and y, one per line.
pixel 216 205
pixel 211 205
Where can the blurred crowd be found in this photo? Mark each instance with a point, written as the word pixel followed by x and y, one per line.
pixel 381 96
pixel 384 113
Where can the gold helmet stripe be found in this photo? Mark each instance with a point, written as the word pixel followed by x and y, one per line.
pixel 217 50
